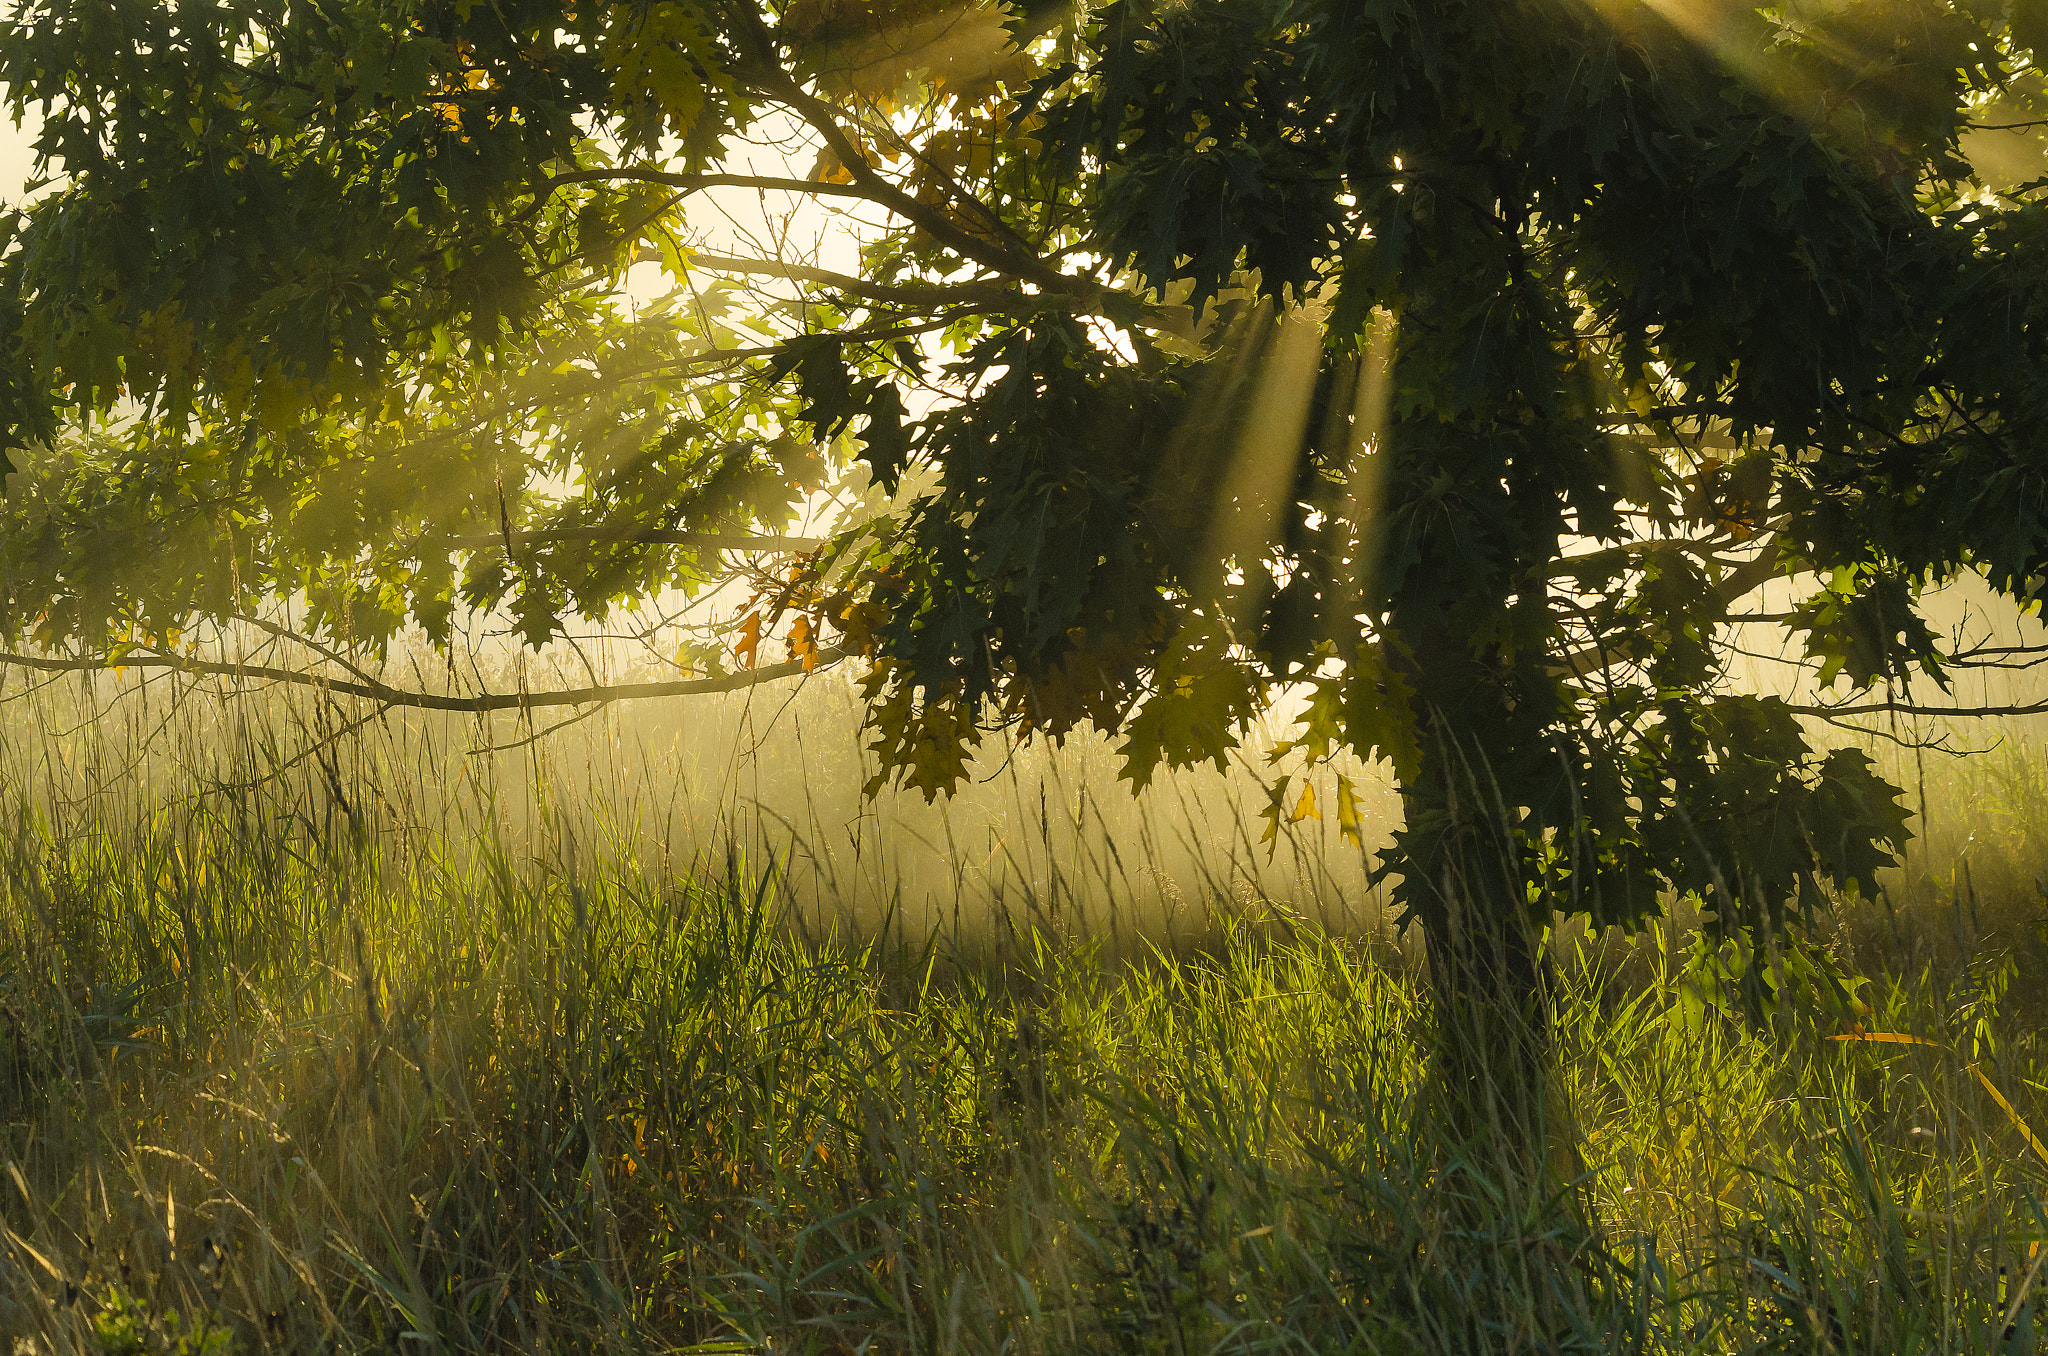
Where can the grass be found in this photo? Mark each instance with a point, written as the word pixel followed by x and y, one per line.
pixel 270 1083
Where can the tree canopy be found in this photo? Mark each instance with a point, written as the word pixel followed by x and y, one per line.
pixel 1476 369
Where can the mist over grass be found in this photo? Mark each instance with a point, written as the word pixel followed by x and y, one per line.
pixel 776 774
pixel 653 1035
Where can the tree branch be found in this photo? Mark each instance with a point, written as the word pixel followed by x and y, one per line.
pixel 1738 578
pixel 1699 409
pixel 1916 709
pixel 697 183
pixel 1706 549
pixel 867 185
pixel 1939 743
pixel 333 657
pixel 326 741
pixel 431 701
pixel 1013 257
pixel 1749 576
pixel 713 356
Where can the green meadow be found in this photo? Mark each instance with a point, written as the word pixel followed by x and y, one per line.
pixel 382 1045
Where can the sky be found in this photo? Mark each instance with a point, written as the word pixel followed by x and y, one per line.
pixel 16 158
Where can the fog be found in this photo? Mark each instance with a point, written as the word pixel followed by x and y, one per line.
pixel 765 781
pixel 770 782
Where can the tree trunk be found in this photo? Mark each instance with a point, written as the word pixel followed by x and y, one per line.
pixel 1492 1069
pixel 1492 1040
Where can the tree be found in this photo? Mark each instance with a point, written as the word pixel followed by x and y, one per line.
pixel 1473 368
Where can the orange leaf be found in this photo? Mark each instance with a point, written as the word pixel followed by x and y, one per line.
pixel 750 638
pixel 803 643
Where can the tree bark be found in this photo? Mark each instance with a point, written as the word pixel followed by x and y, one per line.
pixel 1493 1049
pixel 1468 883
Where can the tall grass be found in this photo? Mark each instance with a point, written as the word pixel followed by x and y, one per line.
pixel 333 1096
pixel 283 1073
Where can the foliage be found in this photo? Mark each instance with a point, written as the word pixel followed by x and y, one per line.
pixel 125 1326
pixel 1475 366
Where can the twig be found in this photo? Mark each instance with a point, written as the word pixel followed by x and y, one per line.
pixel 775 268
pixel 285 633
pixel 539 735
pixel 724 541
pixel 318 745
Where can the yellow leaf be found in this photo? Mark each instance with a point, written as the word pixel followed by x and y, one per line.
pixel 859 622
pixel 830 169
pixel 674 257
pixel 1305 808
pixel 1348 819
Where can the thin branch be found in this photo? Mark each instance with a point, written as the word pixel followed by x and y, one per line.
pixel 1940 743
pixel 2001 665
pixel 538 735
pixel 774 268
pixel 723 541
pixel 1751 575
pixel 1705 548
pixel 1699 409
pixel 1012 256
pixel 317 746
pixel 867 186
pixel 711 357
pixel 283 633
pixel 696 183
pixel 1989 652
pixel 431 701
pixel 1917 709
pixel 1631 648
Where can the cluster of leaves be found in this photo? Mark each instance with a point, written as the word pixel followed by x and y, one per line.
pixel 1653 303
pixel 333 286
pixel 1464 366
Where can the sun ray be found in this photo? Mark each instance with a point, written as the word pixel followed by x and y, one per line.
pixel 1267 450
pixel 1737 34
pixel 1370 377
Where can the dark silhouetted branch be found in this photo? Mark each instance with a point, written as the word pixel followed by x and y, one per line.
pixel 428 701
pixel 1918 709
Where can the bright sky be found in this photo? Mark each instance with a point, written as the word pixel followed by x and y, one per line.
pixel 16 157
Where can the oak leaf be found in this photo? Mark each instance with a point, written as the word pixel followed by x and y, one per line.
pixel 750 639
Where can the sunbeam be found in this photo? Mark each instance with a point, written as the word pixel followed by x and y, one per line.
pixel 1267 449
pixel 1365 465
